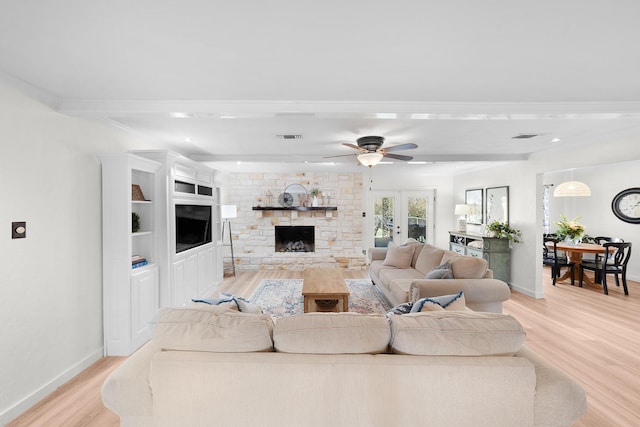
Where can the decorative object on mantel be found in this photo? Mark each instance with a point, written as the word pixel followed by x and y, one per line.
pixel 462 211
pixel 572 189
pixel 268 198
pixel 502 230
pixel 314 192
pixel 295 208
pixel 571 232
pixel 298 193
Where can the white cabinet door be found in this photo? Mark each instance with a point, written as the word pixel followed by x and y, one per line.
pixel 179 279
pixel 191 284
pixel 206 272
pixel 144 304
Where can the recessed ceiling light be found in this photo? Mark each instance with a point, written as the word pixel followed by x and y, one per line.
pixel 178 115
pixel 289 136
pixel 417 163
pixel 386 115
pixel 555 140
pixel 188 140
pixel 421 116
pixel 228 116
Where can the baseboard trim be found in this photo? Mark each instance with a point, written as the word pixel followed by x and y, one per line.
pixel 49 387
pixel 525 291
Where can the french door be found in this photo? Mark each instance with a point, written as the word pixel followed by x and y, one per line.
pixel 400 215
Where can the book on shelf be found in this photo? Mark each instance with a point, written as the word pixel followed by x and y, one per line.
pixel 137 258
pixel 139 264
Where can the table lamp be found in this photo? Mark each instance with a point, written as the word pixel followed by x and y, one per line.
pixel 462 211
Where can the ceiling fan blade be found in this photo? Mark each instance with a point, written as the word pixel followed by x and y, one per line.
pixel 397 156
pixel 407 146
pixel 353 146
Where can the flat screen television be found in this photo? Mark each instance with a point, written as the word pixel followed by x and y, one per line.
pixel 193 226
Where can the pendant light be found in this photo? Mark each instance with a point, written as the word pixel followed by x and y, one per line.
pixel 572 189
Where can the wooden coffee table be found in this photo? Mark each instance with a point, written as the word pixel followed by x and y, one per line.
pixel 324 284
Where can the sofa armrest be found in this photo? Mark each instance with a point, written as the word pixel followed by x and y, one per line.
pixel 126 390
pixel 559 400
pixel 479 294
pixel 377 254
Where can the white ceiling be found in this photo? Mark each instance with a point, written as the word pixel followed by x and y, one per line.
pixel 458 78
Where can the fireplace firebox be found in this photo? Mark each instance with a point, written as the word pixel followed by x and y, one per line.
pixel 295 238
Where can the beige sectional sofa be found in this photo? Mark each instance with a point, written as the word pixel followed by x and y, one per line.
pixel 400 271
pixel 210 366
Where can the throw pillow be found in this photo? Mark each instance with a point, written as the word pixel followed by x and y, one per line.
pixel 443 271
pixel 225 302
pixel 403 308
pixel 454 302
pixel 234 302
pixel 399 256
pixel 244 305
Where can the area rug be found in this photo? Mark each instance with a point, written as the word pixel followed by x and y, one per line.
pixel 283 297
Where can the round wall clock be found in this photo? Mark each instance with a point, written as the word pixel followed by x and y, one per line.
pixel 626 205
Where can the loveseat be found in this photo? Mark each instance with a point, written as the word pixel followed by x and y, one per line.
pixel 415 270
pixel 211 366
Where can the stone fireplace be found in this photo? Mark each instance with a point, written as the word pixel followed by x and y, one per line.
pixel 295 238
pixel 336 239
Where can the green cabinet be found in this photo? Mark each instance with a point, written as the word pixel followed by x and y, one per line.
pixel 495 251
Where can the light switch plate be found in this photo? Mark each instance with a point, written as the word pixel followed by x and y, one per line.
pixel 19 230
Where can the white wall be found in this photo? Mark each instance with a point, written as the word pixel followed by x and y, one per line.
pixel 595 165
pixel 51 281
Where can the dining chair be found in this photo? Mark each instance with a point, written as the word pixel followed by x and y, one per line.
pixel 553 258
pixel 614 261
pixel 592 263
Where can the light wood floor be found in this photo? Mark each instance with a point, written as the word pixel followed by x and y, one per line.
pixel 591 336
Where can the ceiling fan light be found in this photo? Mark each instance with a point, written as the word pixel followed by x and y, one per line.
pixel 572 189
pixel 369 159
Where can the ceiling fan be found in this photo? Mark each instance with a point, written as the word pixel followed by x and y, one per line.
pixel 371 153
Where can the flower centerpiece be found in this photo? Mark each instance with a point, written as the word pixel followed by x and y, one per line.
pixel 571 231
pixel 502 230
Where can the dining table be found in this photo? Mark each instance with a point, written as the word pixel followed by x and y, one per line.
pixel 575 253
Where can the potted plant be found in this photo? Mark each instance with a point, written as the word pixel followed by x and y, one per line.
pixel 502 230
pixel 314 192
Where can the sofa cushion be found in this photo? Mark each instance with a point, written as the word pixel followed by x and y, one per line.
pixel 429 257
pixel 456 333
pixel 399 256
pixel 332 333
pixel 417 249
pixel 223 330
pixel 466 267
pixel 442 271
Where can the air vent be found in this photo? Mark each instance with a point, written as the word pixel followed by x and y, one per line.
pixel 289 136
pixel 528 135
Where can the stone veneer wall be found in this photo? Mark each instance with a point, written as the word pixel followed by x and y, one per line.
pixel 338 236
